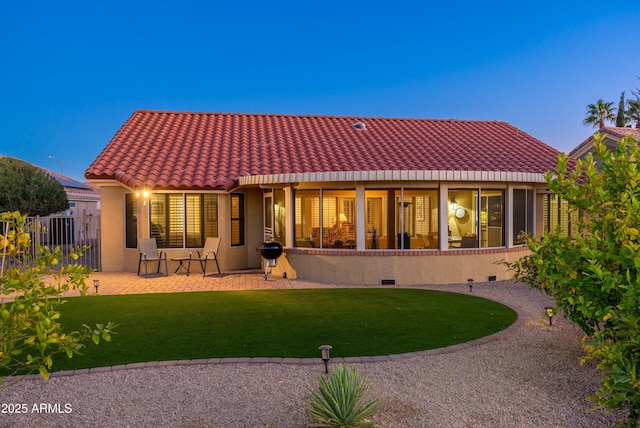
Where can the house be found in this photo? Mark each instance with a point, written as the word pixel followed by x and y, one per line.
pixel 358 200
pixel 612 135
pixel 84 198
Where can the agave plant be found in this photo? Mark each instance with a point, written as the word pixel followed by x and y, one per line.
pixel 341 400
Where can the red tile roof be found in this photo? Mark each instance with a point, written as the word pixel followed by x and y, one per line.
pixel 612 132
pixel 211 150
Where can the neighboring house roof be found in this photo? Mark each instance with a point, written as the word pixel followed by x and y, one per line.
pixel 76 190
pixel 219 150
pixel 611 133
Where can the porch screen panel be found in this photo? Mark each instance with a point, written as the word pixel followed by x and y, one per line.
pixel 492 218
pixel 522 215
pixel 280 224
pixel 557 214
pixel 338 218
pixel 421 217
pixel 382 214
pixel 464 218
pixel 307 218
pixel 374 220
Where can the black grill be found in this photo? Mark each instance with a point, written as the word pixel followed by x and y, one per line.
pixel 271 250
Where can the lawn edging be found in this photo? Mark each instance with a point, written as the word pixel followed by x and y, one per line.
pixel 510 330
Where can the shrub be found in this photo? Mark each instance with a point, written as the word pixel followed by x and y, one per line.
pixel 30 330
pixel 341 400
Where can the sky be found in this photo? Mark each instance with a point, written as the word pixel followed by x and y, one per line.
pixel 72 72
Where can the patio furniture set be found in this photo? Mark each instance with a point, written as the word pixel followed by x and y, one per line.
pixel 149 253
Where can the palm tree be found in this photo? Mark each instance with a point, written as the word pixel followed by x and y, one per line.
pixel 633 112
pixel 599 112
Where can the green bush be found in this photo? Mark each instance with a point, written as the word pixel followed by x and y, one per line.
pixel 341 400
pixel 594 276
pixel 31 334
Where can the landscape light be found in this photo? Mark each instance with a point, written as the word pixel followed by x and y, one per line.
pixel 470 283
pixel 96 283
pixel 325 351
pixel 549 310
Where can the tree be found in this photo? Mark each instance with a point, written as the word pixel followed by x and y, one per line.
pixel 633 112
pixel 594 277
pixel 30 330
pixel 621 118
pixel 598 113
pixel 28 189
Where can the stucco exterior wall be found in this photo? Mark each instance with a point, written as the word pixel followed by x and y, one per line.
pixel 112 229
pixel 406 268
pixel 116 257
pixel 247 255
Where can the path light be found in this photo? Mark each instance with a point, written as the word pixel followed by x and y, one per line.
pixel 549 310
pixel 470 283
pixel 96 283
pixel 326 356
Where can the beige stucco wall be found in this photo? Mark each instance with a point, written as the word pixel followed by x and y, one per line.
pixel 116 258
pixel 248 255
pixel 112 229
pixel 407 268
pixel 347 267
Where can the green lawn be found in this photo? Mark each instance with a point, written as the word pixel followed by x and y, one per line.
pixel 279 323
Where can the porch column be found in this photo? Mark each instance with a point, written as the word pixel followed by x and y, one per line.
pixel 361 213
pixel 508 211
pixel 143 217
pixel 290 217
pixel 443 214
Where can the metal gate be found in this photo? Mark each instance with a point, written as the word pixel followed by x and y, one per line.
pixel 68 232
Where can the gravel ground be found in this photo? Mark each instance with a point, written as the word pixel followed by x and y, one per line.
pixel 531 378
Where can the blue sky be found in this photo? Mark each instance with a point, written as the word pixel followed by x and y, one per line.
pixel 72 72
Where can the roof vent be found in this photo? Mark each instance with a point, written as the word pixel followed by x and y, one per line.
pixel 360 126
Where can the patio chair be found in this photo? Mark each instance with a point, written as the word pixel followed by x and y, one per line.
pixel 210 252
pixel 469 241
pixel 149 253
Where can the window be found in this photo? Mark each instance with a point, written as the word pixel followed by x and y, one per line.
pixel 237 219
pixel 522 215
pixel 558 215
pixel 131 223
pixel 176 220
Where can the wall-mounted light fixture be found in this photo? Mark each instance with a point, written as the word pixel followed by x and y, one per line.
pixel 454 204
pixel 143 193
